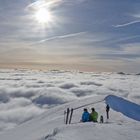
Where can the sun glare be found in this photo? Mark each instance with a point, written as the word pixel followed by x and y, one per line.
pixel 43 16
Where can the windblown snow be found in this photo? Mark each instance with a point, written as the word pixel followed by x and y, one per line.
pixel 32 105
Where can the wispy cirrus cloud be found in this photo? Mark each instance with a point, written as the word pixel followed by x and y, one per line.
pixel 59 37
pixel 126 24
pixel 51 3
pixel 81 29
pixel 43 3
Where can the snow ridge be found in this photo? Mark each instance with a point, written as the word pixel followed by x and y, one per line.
pixel 130 109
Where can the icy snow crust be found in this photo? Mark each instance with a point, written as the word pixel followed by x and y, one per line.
pixel 33 104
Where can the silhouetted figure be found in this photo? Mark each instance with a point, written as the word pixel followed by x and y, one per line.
pixel 107 111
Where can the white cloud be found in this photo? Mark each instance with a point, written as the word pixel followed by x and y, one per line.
pixel 51 3
pixel 53 96
pixel 127 24
pixel 20 114
pixel 14 103
pixel 59 37
pixel 3 97
pixel 136 19
pixel 43 3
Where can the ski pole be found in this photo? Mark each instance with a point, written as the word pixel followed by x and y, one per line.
pixel 67 116
pixel 64 117
pixel 71 116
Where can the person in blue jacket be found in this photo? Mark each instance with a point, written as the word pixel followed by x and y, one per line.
pixel 85 115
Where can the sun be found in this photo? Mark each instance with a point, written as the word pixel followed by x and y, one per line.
pixel 43 16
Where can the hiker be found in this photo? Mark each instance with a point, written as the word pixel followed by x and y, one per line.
pixel 93 115
pixel 107 111
pixel 85 115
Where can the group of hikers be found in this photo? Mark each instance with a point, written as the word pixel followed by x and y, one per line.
pixel 87 117
pixel 93 116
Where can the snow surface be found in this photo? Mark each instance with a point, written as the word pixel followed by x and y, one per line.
pixel 50 126
pixel 33 104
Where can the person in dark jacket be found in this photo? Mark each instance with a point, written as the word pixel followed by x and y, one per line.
pixel 107 111
pixel 85 115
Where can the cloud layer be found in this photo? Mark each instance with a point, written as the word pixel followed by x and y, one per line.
pixel 26 94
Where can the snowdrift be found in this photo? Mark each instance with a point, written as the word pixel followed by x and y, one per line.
pixel 126 107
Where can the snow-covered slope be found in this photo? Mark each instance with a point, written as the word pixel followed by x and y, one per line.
pixel 50 125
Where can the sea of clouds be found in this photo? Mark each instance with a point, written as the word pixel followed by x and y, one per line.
pixel 25 94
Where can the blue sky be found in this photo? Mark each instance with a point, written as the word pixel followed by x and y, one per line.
pixel 87 35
